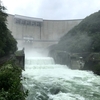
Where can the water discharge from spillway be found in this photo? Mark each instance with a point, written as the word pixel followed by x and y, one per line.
pixel 46 80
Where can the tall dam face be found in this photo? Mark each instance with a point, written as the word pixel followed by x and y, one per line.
pixel 37 32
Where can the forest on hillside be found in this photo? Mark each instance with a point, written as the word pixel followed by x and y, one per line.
pixel 83 41
pixel 85 37
pixel 8 44
pixel 10 71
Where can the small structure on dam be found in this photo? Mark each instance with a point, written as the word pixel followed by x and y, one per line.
pixel 38 32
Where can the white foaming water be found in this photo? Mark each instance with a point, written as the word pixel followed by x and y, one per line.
pixel 46 80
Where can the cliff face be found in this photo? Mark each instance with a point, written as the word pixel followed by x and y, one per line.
pixel 85 37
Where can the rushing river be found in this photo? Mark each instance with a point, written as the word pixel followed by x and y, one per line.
pixel 46 80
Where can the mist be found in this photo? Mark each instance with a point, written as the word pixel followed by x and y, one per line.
pixel 36 52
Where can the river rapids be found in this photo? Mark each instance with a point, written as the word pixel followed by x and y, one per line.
pixel 46 80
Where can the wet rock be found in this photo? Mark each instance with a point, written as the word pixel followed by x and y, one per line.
pixel 93 63
pixel 20 58
pixel 54 90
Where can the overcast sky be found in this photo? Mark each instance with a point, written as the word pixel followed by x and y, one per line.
pixel 52 9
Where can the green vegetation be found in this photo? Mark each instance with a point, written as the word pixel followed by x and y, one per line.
pixel 83 39
pixel 10 82
pixel 10 71
pixel 7 43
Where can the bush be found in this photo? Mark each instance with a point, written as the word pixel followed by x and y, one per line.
pixel 10 83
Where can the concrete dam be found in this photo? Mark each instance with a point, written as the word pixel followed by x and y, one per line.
pixel 37 32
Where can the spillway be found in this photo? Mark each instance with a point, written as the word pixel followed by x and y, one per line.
pixel 46 80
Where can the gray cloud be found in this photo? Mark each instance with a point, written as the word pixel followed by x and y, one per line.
pixel 67 9
pixel 53 9
pixel 50 9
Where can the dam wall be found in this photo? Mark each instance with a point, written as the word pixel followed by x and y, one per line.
pixel 37 32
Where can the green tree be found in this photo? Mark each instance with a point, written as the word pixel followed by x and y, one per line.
pixel 7 42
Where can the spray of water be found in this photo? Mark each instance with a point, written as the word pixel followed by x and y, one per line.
pixel 46 80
